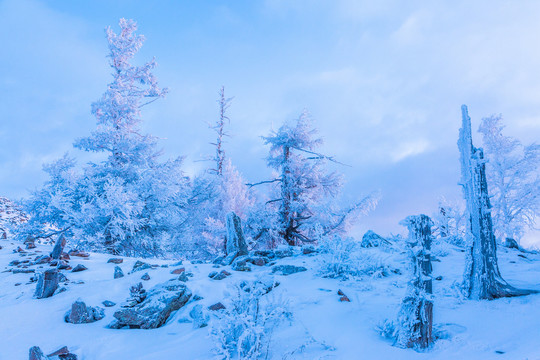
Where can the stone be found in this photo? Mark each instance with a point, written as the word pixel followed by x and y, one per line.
pixel 78 253
pixel 343 297
pixel 118 273
pixel 199 316
pixel 139 266
pixel 287 269
pixel 22 271
pixel 155 310
pixel 371 239
pixel 115 261
pixel 58 247
pixel 439 278
pixel 511 243
pixel 62 354
pixel 258 260
pixel 308 249
pixel 64 267
pixel 62 351
pixel 35 353
pixel 283 253
pixel 178 271
pixel 235 242
pixel 79 268
pixel 221 275
pixel 82 314
pixel 44 259
pixel 241 264
pixel 216 307
pixel 266 253
pixel 108 303
pixel 47 283
pixel 183 277
pixel 145 277
pixel 228 260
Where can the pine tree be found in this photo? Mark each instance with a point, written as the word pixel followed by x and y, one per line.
pixel 304 199
pixel 129 203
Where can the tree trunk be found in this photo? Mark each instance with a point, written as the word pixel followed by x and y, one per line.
pixel 482 279
pixel 416 314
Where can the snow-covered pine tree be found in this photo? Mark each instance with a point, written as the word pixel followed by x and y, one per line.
pixel 482 279
pixel 513 179
pixel 304 199
pixel 129 203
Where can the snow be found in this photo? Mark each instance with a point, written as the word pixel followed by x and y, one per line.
pixel 321 327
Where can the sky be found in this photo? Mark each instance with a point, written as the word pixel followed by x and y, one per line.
pixel 384 81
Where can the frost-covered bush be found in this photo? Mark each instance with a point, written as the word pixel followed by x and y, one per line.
pixel 344 258
pixel 243 330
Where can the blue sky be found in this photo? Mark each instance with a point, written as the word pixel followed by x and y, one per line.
pixel 384 81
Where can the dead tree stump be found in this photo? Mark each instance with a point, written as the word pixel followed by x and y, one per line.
pixel 482 278
pixel 415 319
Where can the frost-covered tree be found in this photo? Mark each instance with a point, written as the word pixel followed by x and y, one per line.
pixel 482 278
pixel 449 221
pixel 304 199
pixel 220 190
pixel 130 202
pixel 513 178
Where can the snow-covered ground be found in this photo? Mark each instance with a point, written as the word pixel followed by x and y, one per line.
pixel 322 327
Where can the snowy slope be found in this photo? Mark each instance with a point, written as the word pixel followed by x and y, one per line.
pixel 322 326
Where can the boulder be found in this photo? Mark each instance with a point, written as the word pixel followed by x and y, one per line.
pixel 82 314
pixel 155 310
pixel 35 353
pixel 216 307
pixel 511 243
pixel 283 252
pixel 115 261
pixel 47 283
pixel 308 249
pixel 108 303
pixel 241 264
pixel 58 247
pixel 118 273
pixel 145 277
pixel 178 271
pixel 371 239
pixel 236 242
pixel 139 266
pixel 79 253
pixel 287 269
pixel 79 267
pixel 199 316
pixel 62 354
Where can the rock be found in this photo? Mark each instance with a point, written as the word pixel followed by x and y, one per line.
pixel 44 259
pixel 218 260
pixel 236 242
pixel 228 260
pixel 287 269
pixel 60 290
pixel 199 316
pixel 183 277
pixel 79 267
pixel 47 283
pixel 35 353
pixel 283 253
pixel 108 303
pixel 197 297
pixel 216 307
pixel 266 253
pixel 118 273
pixel 64 267
pixel 371 239
pixel 79 253
pixel 30 242
pixel 62 354
pixel 178 271
pixel 258 260
pixel 308 249
pixel 137 295
pixel 439 278
pixel 219 276
pixel 115 261
pixel 511 243
pixel 262 286
pixel 22 271
pixel 241 264
pixel 82 314
pixel 139 266
pixel 154 311
pixel 343 297
pixel 58 247
pixel 145 277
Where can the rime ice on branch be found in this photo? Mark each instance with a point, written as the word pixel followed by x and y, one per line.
pixel 415 319
pixel 482 279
